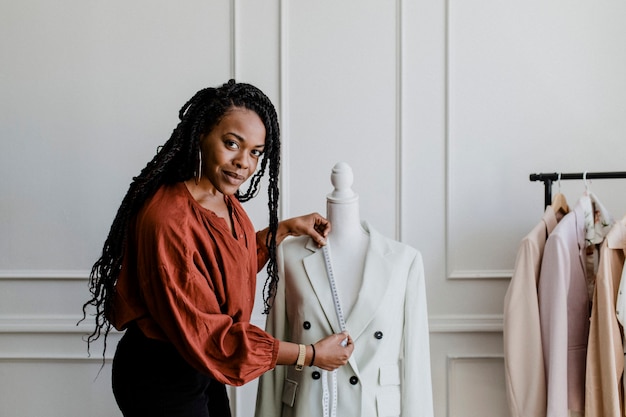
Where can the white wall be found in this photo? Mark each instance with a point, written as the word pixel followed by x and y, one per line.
pixel 442 108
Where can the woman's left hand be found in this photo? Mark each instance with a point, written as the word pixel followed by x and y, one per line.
pixel 314 225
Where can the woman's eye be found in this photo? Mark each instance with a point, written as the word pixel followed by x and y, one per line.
pixel 257 153
pixel 232 144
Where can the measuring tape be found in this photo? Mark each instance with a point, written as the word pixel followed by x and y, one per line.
pixel 331 411
pixel 333 288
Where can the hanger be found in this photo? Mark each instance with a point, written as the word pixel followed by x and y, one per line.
pixel 586 183
pixel 559 202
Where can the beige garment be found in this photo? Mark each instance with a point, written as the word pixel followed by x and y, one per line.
pixel 523 357
pixel 605 352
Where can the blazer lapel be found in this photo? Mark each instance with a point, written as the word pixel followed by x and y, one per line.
pixel 315 268
pixel 376 277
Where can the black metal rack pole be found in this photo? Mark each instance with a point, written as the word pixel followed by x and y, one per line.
pixel 549 178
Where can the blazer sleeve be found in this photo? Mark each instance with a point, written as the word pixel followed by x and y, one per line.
pixel 523 353
pixel 270 389
pixel 417 398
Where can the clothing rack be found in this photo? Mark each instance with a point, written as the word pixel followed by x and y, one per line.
pixel 549 178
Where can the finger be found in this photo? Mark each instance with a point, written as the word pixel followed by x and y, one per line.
pixel 345 339
pixel 321 225
pixel 319 240
pixel 325 228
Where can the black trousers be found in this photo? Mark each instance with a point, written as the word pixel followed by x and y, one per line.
pixel 151 379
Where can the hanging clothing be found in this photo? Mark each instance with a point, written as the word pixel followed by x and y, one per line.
pixel 523 354
pixel 564 314
pixel 621 313
pixel 388 373
pixel 605 354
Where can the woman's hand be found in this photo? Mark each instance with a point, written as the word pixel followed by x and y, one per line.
pixel 330 353
pixel 314 225
pixel 333 351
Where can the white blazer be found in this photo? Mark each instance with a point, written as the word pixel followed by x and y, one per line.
pixel 389 371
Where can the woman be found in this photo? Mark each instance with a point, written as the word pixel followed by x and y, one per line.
pixel 178 268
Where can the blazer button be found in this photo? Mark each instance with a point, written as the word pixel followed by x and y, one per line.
pixel 315 375
pixel 306 325
pixel 378 335
pixel 354 380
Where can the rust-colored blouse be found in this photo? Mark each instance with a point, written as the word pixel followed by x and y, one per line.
pixel 187 280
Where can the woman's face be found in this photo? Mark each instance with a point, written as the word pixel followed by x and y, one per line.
pixel 231 151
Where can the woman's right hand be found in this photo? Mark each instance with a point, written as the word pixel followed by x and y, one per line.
pixel 333 351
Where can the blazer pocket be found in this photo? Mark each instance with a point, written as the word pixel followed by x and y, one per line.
pixel 389 398
pixel 289 392
pixel 389 375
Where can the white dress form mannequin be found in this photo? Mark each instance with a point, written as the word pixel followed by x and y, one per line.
pixel 348 240
pixel 381 288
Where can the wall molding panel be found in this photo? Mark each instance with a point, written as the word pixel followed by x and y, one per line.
pixel 466 323
pixel 50 324
pixel 51 337
pixel 45 324
pixel 52 274
pixel 472 382
pixel 400 62
pixel 481 274
pixel 283 104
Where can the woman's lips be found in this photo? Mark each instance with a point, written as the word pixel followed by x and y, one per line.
pixel 234 178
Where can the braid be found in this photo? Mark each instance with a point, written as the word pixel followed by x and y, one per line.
pixel 264 108
pixel 269 289
pixel 174 162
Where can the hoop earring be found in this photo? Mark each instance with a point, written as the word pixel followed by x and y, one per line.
pixel 199 171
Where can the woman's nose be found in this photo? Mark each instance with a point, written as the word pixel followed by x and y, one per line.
pixel 241 161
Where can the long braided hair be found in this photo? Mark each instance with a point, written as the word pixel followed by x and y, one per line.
pixel 174 162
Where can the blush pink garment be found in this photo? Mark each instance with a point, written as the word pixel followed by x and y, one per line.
pixel 523 354
pixel 564 311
